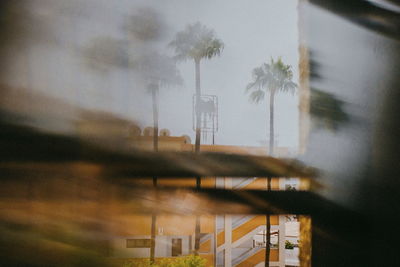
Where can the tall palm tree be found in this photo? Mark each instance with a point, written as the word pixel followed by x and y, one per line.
pixel 196 42
pixel 157 71
pixel 146 26
pixel 270 77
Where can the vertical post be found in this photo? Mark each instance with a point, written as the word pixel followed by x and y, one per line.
pixel 305 244
pixel 282 230
pixel 197 236
pixel 215 231
pixel 268 230
pixel 153 238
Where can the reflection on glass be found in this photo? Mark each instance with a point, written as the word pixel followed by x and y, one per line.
pixel 94 96
pixel 327 110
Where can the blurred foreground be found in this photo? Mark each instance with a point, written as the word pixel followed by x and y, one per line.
pixel 85 182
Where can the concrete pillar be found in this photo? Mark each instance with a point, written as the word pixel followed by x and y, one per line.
pixel 282 229
pixel 219 183
pixel 282 238
pixel 228 231
pixel 304 79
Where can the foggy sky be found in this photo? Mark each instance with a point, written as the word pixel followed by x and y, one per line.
pixel 252 32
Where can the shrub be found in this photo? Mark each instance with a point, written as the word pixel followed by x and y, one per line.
pixel 289 245
pixel 186 261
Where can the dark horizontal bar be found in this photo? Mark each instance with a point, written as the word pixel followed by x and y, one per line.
pixel 223 201
pixel 24 150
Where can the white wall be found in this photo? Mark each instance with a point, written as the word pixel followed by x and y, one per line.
pixel 163 247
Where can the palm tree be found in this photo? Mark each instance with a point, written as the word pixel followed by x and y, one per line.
pixel 196 42
pixel 270 77
pixel 103 55
pixel 157 71
pixel 146 25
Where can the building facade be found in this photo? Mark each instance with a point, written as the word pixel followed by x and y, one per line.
pixel 226 240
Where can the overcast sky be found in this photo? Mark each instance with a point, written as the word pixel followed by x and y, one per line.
pixel 252 31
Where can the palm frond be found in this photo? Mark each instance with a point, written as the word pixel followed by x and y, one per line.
pixel 105 53
pixel 259 72
pixel 274 75
pixel 196 42
pixel 257 96
pixel 250 86
pixel 289 86
pixel 159 69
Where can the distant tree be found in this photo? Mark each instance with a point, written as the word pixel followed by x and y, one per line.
pixel 272 77
pixel 106 53
pixel 196 42
pixel 158 71
pixel 146 26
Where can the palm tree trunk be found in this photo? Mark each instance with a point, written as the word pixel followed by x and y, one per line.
pixel 197 150
pixel 271 153
pixel 154 95
pixel 268 230
pixel 271 122
pixel 197 110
